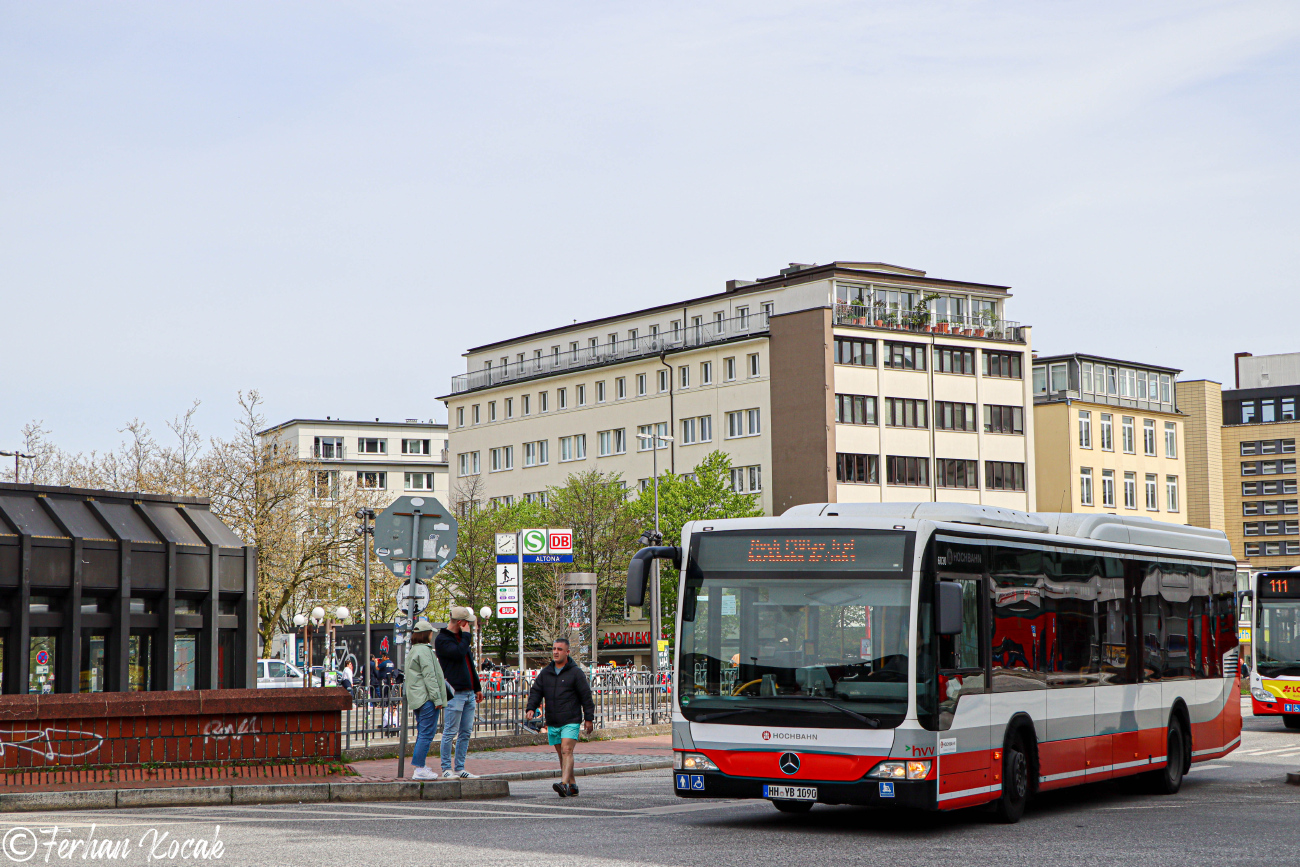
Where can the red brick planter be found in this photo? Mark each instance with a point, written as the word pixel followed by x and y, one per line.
pixel 126 729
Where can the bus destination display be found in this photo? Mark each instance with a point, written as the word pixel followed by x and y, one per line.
pixel 1280 585
pixel 847 551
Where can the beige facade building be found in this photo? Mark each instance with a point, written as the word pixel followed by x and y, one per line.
pixel 847 382
pixel 1202 402
pixel 1109 438
pixel 393 458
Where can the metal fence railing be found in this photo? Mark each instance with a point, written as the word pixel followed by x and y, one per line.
pixel 622 697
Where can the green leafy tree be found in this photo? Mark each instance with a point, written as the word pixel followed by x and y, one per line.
pixel 704 493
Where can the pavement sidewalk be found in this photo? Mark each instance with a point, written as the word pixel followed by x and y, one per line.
pixel 591 756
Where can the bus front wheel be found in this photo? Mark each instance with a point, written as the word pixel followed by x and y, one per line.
pixel 1015 782
pixel 1291 720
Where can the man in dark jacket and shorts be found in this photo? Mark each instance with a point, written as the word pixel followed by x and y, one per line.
pixel 564 688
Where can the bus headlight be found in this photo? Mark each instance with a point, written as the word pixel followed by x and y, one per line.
pixel 1261 695
pixel 901 770
pixel 693 762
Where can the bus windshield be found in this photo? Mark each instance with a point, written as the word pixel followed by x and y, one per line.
pixel 1277 638
pixel 806 628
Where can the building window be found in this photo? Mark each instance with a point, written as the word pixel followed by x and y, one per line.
pixel 1108 489
pixel 753 364
pixel 697 430
pixel 460 416
pixel 581 394
pixel 911 472
pixel 663 381
pixel 1153 496
pixel 1171 493
pixel 652 430
pixel 688 431
pixel 561 398
pixel 510 407
pixel 855 351
pixel 1166 388
pixel 1148 437
pixel 954 416
pixel 525 403
pixel 855 408
pixel 1085 486
pixel 1288 409
pixel 854 469
pixel 1248 415
pixel 1085 376
pixel 640 385
pixel 1085 429
pixel 1107 433
pixel 1040 379
pixel 1130 491
pixel 744 423
pixel 1128 435
pixel 1058 375
pixel 620 388
pixel 747 480
pixel 1002 364
pixel 419 481
pixel 742 317
pixel 611 442
pixel 706 373
pixel 492 410
pixel 467 463
pixel 904 356
pixel 372 446
pixel 1171 440
pixel 535 453
pixel 600 391
pixel 372 480
pixel 948 360
pixel 1004 476
pixel 501 459
pixel 684 376
pixel 956 473
pixel 729 369
pixel 1112 381
pixel 1004 419
pixel 543 405
pixel 906 412
pixel 768 307
pixel 573 448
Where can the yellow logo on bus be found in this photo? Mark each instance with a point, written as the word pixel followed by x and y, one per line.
pixel 1287 689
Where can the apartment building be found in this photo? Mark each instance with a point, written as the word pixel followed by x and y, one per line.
pixel 395 458
pixel 845 382
pixel 1109 438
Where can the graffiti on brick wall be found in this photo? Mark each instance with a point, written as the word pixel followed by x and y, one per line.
pixel 249 725
pixel 40 743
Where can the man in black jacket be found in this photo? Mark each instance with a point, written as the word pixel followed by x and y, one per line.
pixel 567 694
pixel 454 648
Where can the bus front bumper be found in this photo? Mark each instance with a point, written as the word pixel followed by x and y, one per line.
pixel 918 794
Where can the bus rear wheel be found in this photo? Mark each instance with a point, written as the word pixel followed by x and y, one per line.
pixel 1015 782
pixel 1169 779
pixel 1291 720
pixel 793 806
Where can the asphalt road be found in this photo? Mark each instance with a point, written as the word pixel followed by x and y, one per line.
pixel 1234 811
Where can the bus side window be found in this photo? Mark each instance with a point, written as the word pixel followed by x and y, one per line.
pixel 1018 621
pixel 1114 622
pixel 1070 605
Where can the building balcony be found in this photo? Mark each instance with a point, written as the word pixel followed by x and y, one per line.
pixel 924 322
pixel 718 331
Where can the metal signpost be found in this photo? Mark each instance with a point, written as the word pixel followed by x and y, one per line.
pixel 533 546
pixel 415 537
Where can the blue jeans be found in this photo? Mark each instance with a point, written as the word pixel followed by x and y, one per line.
pixel 457 725
pixel 426 723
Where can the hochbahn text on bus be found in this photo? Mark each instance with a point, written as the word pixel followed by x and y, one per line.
pixel 943 656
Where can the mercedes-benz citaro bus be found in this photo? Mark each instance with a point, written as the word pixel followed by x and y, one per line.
pixel 942 655
pixel 1275 646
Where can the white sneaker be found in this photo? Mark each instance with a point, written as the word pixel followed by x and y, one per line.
pixel 448 775
pixel 424 774
pixel 466 775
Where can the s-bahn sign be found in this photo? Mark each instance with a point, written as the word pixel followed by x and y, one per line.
pixel 541 546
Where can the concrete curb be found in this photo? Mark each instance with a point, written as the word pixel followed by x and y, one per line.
pixel 625 768
pixel 208 796
pixel 499 742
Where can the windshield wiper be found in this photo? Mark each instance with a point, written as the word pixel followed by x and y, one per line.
pixel 871 721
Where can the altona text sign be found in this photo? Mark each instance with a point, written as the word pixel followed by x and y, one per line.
pixel 541 545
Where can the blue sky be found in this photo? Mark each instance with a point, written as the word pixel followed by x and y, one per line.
pixel 329 202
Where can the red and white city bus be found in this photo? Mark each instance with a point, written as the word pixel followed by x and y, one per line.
pixel 942 655
pixel 1275 646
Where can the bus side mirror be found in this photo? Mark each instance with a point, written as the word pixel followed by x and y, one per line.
pixel 950 608
pixel 639 569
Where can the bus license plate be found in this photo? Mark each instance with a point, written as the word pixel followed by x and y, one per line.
pixel 790 793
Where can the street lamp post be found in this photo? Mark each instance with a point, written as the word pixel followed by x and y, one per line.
pixel 15 454
pixel 317 618
pixel 367 532
pixel 655 614
pixel 300 620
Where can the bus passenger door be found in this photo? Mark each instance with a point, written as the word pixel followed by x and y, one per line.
pixel 965 747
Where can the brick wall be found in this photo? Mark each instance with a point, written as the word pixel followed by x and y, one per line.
pixel 125 729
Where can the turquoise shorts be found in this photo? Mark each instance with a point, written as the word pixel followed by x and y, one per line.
pixel 554 733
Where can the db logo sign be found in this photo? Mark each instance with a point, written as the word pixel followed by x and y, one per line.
pixel 560 542
pixel 767 736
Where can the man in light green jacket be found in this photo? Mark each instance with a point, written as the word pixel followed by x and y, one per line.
pixel 426 693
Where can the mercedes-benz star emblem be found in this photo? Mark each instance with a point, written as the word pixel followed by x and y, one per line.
pixel 789 763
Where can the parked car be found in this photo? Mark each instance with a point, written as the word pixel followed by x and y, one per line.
pixel 277 674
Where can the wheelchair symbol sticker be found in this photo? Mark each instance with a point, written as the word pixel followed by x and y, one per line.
pixel 697 782
pixel 886 790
